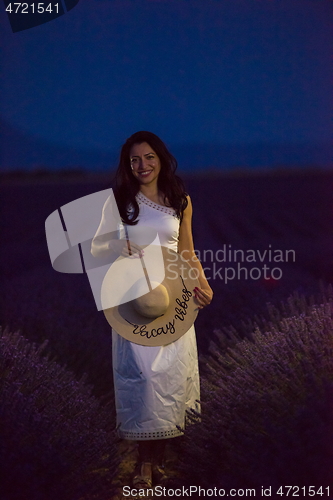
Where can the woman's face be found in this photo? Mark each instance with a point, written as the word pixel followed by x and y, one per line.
pixel 145 163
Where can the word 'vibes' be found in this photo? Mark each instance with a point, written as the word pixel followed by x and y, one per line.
pixel 180 313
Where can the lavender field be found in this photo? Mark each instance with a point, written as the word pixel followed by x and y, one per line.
pixel 282 220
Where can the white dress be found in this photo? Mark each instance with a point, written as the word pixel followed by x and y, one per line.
pixel 154 386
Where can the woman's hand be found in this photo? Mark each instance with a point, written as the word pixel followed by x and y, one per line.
pixel 104 246
pixel 132 250
pixel 203 296
pixel 127 248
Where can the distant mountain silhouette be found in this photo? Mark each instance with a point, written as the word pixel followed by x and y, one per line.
pixel 20 150
pixel 253 155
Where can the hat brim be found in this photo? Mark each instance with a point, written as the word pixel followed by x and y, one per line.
pixel 180 280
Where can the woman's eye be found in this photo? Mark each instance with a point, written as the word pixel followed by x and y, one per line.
pixel 151 157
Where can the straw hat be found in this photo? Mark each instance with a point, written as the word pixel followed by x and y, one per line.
pixel 162 308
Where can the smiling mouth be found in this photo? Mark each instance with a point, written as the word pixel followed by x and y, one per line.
pixel 144 173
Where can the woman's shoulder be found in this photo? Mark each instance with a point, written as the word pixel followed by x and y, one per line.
pixel 189 202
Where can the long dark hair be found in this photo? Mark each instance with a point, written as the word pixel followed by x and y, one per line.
pixel 127 186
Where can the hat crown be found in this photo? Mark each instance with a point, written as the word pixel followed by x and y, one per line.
pixel 152 304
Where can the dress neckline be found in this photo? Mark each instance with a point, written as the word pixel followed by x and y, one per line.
pixel 143 199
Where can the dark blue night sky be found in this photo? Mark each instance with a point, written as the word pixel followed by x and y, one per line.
pixel 223 82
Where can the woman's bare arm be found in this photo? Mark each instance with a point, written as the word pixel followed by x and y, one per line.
pixel 204 294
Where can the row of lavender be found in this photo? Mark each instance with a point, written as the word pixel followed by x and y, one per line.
pixel 267 417
pixel 57 439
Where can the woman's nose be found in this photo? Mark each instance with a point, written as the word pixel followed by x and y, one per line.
pixel 144 162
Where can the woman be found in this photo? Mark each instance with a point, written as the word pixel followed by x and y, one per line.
pixel 148 193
